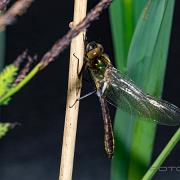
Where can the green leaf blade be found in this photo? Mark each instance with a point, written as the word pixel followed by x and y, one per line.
pixel 150 76
pixel 122 27
pixel 146 66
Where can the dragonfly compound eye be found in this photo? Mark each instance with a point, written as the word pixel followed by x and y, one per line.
pixel 92 45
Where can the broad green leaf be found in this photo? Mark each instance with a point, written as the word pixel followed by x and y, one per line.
pixel 122 26
pixel 123 17
pixel 137 8
pixel 146 66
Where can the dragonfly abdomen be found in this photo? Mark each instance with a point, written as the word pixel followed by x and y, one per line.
pixel 108 132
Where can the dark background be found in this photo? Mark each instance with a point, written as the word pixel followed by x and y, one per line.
pixel 32 151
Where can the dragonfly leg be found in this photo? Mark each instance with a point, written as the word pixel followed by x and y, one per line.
pixel 78 63
pixel 82 97
pixel 83 67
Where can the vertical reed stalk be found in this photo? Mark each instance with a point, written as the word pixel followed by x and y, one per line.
pixel 73 93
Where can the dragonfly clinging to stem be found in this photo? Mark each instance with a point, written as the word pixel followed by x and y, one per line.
pixel 111 85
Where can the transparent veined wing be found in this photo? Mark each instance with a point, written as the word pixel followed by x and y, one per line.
pixel 124 94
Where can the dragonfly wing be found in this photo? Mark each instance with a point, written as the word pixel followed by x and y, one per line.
pixel 124 94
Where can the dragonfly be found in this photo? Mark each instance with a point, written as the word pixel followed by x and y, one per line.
pixel 112 86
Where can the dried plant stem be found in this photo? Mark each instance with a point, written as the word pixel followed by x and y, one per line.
pixel 17 9
pixel 73 93
pixel 3 4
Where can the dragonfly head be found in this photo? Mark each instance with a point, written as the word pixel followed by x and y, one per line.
pixel 97 60
pixel 93 50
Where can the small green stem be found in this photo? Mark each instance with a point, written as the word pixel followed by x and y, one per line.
pixel 16 88
pixel 158 162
